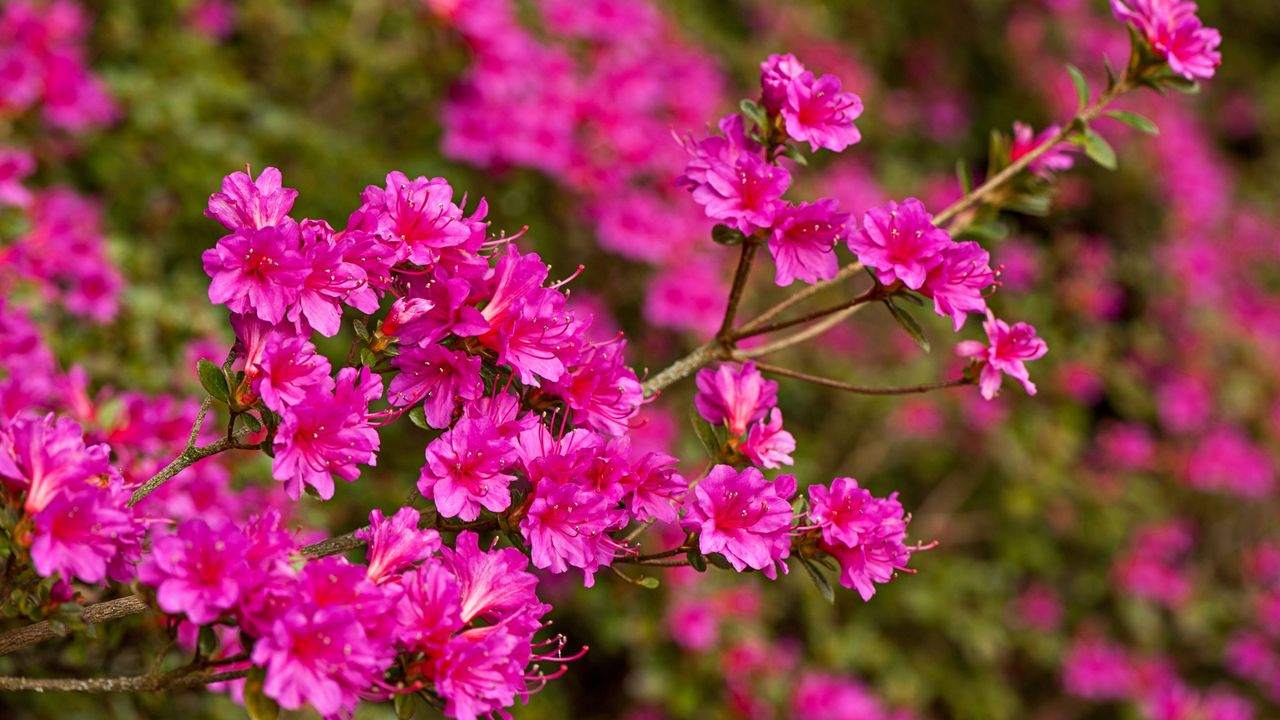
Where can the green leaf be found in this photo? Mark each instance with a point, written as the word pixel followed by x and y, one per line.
pixel 207 642
pixel 696 560
pixel 647 582
pixel 725 235
pixel 1181 84
pixel 1099 150
pixel 962 174
pixel 418 417
pixel 367 358
pixel 1082 85
pixel 1111 73
pixel 362 330
pixel 251 422
pixel 403 704
pixel 260 706
pixel 1134 120
pixel 990 231
pixel 706 434
pixel 908 323
pixel 720 561
pixel 819 579
pixel 795 153
pixel 754 112
pixel 213 380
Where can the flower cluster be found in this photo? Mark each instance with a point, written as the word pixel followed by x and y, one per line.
pixel 1175 33
pixel 462 621
pixel 42 63
pixel 739 398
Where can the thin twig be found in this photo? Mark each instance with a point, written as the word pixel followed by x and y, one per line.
pixel 872 293
pixel 739 286
pixel 859 389
pixel 808 333
pixel 135 683
pixel 23 637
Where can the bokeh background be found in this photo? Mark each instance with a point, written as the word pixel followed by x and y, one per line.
pixel 1108 548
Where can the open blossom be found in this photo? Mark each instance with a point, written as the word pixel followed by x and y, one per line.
pixel 842 511
pixel 288 368
pixel 803 241
pixel 257 271
pixel 438 377
pixel 331 281
pixel 465 470
pixel 900 242
pixel 602 388
pixel 1175 33
pixel 328 434
pixel 742 516
pixel 478 675
pixel 731 181
pixel 319 656
pixel 492 584
pixel 248 204
pixel 767 445
pixel 816 111
pixel 1059 158
pixel 957 283
pixel 86 532
pixel 42 457
pixel 734 395
pixel 1008 349
pixel 654 488
pixel 567 525
pixel 419 217
pixel 396 543
pixel 196 571
pixel 880 551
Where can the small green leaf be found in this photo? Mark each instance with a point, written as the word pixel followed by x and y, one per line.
pixel 706 435
pixel 795 153
pixel 213 380
pixel 367 358
pixel 251 422
pixel 260 706
pixel 1111 73
pixel 819 579
pixel 720 561
pixel 754 112
pixel 962 174
pixel 418 417
pixel 1134 120
pixel 1099 150
pixel 696 560
pixel 725 235
pixel 908 323
pixel 1082 85
pixel 647 582
pixel 1181 84
pixel 362 330
pixel 207 641
pixel 404 705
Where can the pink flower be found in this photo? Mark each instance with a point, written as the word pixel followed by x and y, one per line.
pixel 844 512
pixel 465 470
pixel 321 657
pixel 437 308
pixel 85 532
pixel 1009 348
pixel 879 552
pixel 803 241
pixel 418 217
pixel 567 525
pixel 742 516
pixel 776 75
pixel 493 584
pixel 694 624
pixel 289 368
pixel 257 271
pixel 1227 460
pixel 248 204
pixel 1097 670
pixel 437 376
pixel 731 181
pixel 957 283
pixel 654 488
pixel 478 676
pixel 734 396
pixel 900 242
pixel 817 112
pixel 767 445
pixel 396 543
pixel 1174 33
pixel 327 435
pixel 820 696
pixel 427 612
pixel 1059 158
pixel 43 457
pixel 331 281
pixel 14 166
pixel 196 571
pixel 601 389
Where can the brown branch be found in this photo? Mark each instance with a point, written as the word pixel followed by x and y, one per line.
pixel 181 678
pixel 23 637
pixel 739 286
pixel 808 333
pixel 859 389
pixel 875 292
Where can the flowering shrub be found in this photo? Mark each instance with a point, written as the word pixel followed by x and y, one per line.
pixel 419 338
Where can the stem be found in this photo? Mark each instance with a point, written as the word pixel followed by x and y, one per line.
pixel 739 286
pixel 1017 166
pixel 190 456
pixel 684 367
pixel 808 333
pixel 859 389
pixel 23 637
pixel 181 678
pixel 801 295
pixel 873 293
